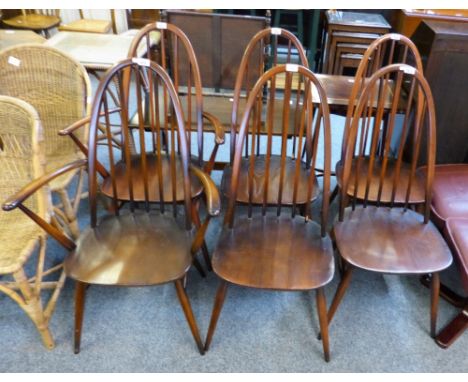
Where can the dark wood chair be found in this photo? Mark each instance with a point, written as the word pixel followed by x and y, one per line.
pixel 390 237
pixel 388 102
pixel 135 246
pixel 270 248
pixel 37 20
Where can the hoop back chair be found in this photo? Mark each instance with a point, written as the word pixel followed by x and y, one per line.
pixel 38 20
pixel 388 49
pixel 269 248
pixel 58 87
pixel 267 42
pixel 136 246
pixel 176 55
pixel 385 235
pixel 21 161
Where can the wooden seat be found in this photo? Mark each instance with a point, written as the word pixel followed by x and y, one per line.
pixel 132 249
pixel 36 20
pixel 385 238
pixel 395 241
pixel 88 25
pixel 380 131
pixel 257 178
pixel 21 161
pixel 270 252
pixel 274 249
pixel 134 246
pixel 58 87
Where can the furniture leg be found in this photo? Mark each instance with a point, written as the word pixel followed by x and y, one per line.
pixel 218 305
pixel 80 297
pixel 322 313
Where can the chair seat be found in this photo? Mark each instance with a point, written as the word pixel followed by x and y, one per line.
pixel 121 180
pixel 391 240
pixel 274 253
pixel 450 191
pixel 33 21
pixel 18 235
pixel 87 25
pixel 457 237
pixel 417 189
pixel 258 181
pixel 131 249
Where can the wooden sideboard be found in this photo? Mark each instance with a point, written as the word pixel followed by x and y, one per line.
pixel 444 50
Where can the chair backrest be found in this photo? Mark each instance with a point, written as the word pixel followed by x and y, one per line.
pixel 218 41
pixel 55 84
pixel 46 12
pixel 391 48
pixel 385 151
pixel 21 154
pixel 175 53
pixel 154 144
pixel 312 124
pixel 276 46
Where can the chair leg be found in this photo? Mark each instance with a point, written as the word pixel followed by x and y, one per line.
pixel 80 297
pixel 435 289
pixel 322 313
pixel 453 330
pixel 344 283
pixel 218 305
pixel 184 301
pixel 197 222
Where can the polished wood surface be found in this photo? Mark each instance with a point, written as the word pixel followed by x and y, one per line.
pixel 408 20
pixel 395 241
pixel 444 48
pixel 276 249
pixel 34 21
pixel 271 252
pixel 11 37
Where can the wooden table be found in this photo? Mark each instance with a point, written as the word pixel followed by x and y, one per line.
pixel 10 37
pixel 351 22
pixel 409 19
pixel 96 51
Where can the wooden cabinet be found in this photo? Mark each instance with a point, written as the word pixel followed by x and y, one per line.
pixel 444 50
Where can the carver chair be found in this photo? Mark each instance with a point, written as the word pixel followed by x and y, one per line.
pixel 137 246
pixel 390 237
pixel 22 161
pixel 267 246
pixel 388 49
pixel 58 87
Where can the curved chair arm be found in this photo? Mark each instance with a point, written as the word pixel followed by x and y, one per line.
pixel 219 139
pixel 213 205
pixel 80 123
pixel 213 200
pixel 17 200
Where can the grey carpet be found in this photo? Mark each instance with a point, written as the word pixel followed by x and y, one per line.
pixel 382 325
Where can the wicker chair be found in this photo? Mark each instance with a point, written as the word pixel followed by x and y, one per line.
pixel 21 161
pixel 58 88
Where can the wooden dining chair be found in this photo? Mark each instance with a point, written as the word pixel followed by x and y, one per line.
pixel 21 161
pixel 90 25
pixel 38 20
pixel 383 234
pixel 58 87
pixel 136 246
pixel 388 49
pixel 267 247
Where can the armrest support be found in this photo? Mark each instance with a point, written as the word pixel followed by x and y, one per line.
pixel 80 123
pixel 213 200
pixel 217 125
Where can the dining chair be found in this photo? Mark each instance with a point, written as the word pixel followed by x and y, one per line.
pixel 58 87
pixel 38 20
pixel 136 246
pixel 267 246
pixel 383 234
pixel 388 49
pixel 21 161
pixel 90 25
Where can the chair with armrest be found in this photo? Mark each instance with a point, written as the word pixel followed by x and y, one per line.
pixel 58 87
pixel 22 161
pixel 384 235
pixel 266 245
pixel 137 246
